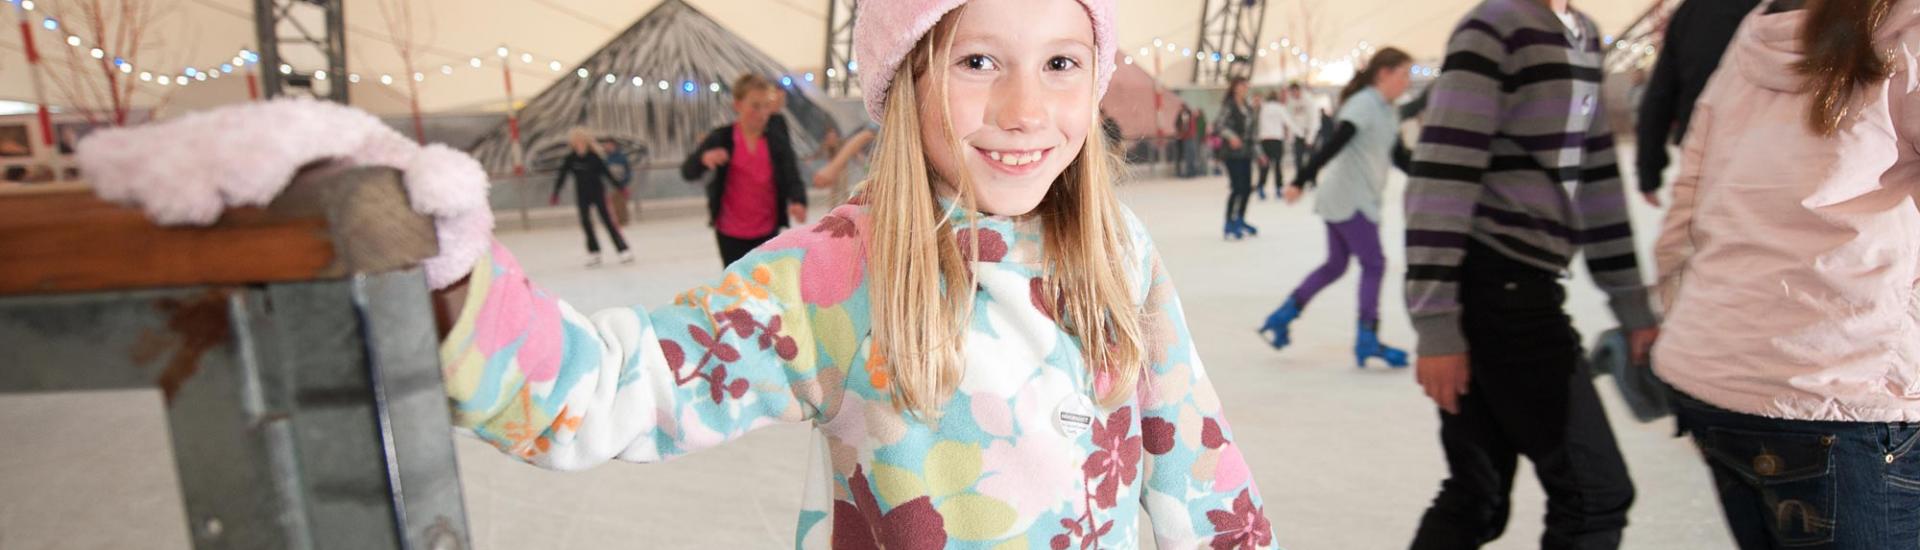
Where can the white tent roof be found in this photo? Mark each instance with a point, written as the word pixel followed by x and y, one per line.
pixel 205 33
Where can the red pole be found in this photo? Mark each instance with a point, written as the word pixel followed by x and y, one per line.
pixel 253 86
pixel 33 66
pixel 513 118
pixel 413 100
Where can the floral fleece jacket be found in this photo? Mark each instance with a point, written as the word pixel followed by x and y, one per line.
pixel 784 337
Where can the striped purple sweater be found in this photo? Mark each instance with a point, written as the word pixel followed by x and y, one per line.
pixel 1516 154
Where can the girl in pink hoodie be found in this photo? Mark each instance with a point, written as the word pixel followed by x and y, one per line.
pixel 1788 267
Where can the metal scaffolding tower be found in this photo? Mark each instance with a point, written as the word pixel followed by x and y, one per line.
pixel 1230 36
pixel 839 64
pixel 286 31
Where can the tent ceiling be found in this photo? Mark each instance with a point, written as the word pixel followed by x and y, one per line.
pixel 202 33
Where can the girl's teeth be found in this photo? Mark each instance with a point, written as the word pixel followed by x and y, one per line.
pixel 1013 159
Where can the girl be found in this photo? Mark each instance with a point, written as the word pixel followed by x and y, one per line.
pixel 985 338
pixel 1366 139
pixel 1514 176
pixel 1788 266
pixel 1235 127
pixel 755 190
pixel 590 176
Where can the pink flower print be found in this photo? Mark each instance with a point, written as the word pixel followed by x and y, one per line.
pixel 516 311
pixel 1157 435
pixel 993 247
pixel 992 414
pixel 1023 473
pixel 1245 526
pixel 911 525
pixel 834 261
pixel 1231 470
pixel 1211 436
pixel 1117 460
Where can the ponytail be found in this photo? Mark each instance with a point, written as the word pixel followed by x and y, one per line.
pixel 1840 58
pixel 1386 58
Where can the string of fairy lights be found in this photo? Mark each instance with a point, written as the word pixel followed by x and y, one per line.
pixel 1330 69
pixel 243 59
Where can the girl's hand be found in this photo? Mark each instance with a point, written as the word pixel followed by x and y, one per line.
pixel 447 305
pixel 796 214
pixel 714 159
pixel 1291 194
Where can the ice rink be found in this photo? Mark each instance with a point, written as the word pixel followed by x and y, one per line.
pixel 1346 458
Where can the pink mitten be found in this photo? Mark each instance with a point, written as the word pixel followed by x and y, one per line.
pixel 188 170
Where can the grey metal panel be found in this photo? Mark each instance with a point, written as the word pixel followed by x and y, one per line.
pixel 228 445
pixel 303 415
pixel 335 426
pixel 403 348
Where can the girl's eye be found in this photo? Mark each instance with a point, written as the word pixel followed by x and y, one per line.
pixel 978 62
pixel 1062 63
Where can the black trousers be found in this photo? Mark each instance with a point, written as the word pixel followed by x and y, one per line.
pixel 596 199
pixel 1529 395
pixel 1240 182
pixel 732 249
pixel 1275 152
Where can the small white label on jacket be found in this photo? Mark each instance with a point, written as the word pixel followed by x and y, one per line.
pixel 1074 415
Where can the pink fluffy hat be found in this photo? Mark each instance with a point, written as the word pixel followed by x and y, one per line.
pixel 885 31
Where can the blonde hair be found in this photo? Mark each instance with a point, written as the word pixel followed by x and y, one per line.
pixel 581 133
pixel 919 324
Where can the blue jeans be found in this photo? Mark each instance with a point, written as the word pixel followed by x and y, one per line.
pixel 1807 484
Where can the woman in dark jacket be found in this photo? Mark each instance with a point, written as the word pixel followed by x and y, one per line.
pixel 590 177
pixel 1235 130
pixel 756 188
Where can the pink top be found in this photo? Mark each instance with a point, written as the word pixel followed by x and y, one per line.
pixel 1789 261
pixel 749 209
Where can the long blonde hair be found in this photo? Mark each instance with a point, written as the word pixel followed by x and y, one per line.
pixel 919 325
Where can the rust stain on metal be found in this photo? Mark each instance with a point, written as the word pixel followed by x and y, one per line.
pixel 151 345
pixel 200 324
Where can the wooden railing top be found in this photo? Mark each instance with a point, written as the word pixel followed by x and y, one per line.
pixel 331 222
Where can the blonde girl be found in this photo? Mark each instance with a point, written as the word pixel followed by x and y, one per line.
pixel 984 338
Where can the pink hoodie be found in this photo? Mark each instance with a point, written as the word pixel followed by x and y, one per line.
pixel 1789 262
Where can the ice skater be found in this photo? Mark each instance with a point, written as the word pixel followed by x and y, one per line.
pixel 1236 129
pixel 1514 176
pixel 754 190
pixel 590 177
pixel 1365 141
pixel 1273 143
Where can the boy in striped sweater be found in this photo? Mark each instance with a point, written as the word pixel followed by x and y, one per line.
pixel 1514 175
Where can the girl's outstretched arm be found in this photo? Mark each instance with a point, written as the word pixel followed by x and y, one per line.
pixel 559 389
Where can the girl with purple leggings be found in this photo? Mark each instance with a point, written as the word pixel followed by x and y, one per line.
pixel 1365 140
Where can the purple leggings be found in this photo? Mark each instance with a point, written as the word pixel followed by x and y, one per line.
pixel 1356 237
